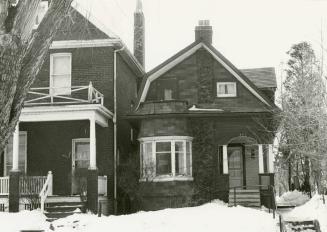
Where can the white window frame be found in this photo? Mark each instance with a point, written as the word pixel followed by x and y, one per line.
pixel 226 95
pixel 5 171
pixel 172 140
pixel 52 56
pixel 74 141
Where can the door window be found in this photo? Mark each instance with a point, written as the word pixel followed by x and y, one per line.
pixel 82 154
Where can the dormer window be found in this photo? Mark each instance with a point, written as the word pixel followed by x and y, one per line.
pixel 60 74
pixel 226 89
pixel 166 89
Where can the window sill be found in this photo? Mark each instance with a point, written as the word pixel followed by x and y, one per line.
pixel 167 179
pixel 226 96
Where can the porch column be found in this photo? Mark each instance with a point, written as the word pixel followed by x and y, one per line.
pixel 225 160
pixel 271 158
pixel 14 174
pixel 260 153
pixel 92 177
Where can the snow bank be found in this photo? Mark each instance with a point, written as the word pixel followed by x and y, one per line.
pixel 313 209
pixel 214 216
pixel 25 220
pixel 294 198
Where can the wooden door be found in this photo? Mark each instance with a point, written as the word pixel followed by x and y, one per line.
pixel 235 166
pixel 80 164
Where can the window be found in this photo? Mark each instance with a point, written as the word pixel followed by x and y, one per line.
pixel 166 158
pixel 60 74
pixel 22 153
pixel 166 90
pixel 226 89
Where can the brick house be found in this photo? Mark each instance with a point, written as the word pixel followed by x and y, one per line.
pixel 71 130
pixel 203 128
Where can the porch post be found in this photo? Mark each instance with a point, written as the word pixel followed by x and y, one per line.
pixel 271 158
pixel 261 165
pixel 92 177
pixel 225 160
pixel 14 174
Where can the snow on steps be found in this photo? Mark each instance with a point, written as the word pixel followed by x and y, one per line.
pixel 64 207
pixel 245 197
pixel 300 226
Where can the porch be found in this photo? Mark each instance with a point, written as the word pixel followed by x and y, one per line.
pixel 57 134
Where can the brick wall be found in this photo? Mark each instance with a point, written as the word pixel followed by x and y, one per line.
pixel 197 77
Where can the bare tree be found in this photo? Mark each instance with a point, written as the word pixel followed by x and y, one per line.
pixel 22 53
pixel 303 117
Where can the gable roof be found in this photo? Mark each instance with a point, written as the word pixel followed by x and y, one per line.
pixel 261 77
pixel 187 52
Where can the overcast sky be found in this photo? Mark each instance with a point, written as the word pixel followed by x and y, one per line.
pixel 250 33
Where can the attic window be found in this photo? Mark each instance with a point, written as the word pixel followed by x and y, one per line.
pixel 226 89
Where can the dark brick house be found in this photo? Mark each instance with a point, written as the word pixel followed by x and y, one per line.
pixel 203 127
pixel 71 130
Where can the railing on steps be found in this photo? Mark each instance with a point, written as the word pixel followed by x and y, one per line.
pixel 46 190
pixel 4 185
pixel 64 95
pixel 102 185
pixel 31 184
pixel 270 188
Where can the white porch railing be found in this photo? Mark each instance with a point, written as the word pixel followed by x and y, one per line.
pixel 4 185
pixel 46 190
pixel 102 185
pixel 31 184
pixel 75 95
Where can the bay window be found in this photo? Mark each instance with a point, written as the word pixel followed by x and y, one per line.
pixel 166 158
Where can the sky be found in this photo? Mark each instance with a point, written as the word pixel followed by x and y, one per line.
pixel 251 33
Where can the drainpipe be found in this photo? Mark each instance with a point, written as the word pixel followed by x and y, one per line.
pixel 115 127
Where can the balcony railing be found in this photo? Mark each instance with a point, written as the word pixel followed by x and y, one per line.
pixel 67 95
pixel 159 107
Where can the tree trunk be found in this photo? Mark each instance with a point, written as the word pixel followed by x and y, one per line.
pixel 23 52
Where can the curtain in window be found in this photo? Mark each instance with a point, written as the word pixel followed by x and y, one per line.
pixel 61 74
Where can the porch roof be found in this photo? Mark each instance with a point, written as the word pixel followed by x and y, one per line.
pixel 67 113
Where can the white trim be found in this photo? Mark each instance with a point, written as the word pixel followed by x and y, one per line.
pixel 260 154
pixel 64 44
pixel 168 178
pixel 270 159
pixel 172 140
pixel 165 138
pixel 228 94
pixel 185 55
pixel 66 113
pixel 61 54
pixel 225 160
pixel 5 171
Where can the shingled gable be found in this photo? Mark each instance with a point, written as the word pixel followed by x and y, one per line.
pixel 187 52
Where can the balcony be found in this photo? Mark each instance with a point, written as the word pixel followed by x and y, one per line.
pixel 64 96
pixel 163 107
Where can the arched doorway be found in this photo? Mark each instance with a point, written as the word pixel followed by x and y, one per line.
pixel 237 160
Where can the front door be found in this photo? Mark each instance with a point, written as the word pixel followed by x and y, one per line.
pixel 235 166
pixel 80 164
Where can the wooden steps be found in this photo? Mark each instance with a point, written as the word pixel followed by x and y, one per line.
pixel 245 197
pixel 60 207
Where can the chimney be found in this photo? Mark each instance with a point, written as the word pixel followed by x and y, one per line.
pixel 204 31
pixel 139 33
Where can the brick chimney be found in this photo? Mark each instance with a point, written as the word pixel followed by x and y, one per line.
pixel 139 33
pixel 204 31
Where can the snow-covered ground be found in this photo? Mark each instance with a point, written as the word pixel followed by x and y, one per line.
pixel 294 198
pixel 313 209
pixel 215 216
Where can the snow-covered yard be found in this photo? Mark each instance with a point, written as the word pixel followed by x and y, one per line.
pixel 215 216
pixel 313 209
pixel 294 198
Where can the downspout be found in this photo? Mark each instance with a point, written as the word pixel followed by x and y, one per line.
pixel 115 127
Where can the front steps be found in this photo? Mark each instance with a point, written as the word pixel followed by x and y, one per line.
pixel 59 207
pixel 297 226
pixel 244 197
